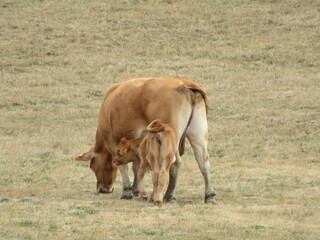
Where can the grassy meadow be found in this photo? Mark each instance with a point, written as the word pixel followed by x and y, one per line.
pixel 260 63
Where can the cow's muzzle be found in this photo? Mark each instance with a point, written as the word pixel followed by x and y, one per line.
pixel 101 189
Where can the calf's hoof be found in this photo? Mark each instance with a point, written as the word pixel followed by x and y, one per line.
pixel 144 197
pixel 210 198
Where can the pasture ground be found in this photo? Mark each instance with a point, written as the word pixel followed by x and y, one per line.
pixel 259 61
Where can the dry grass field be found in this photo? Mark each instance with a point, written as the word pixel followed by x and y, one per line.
pixel 260 63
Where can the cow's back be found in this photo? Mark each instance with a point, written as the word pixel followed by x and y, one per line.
pixel 131 105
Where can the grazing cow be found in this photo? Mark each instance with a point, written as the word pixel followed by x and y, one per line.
pixel 154 151
pixel 129 107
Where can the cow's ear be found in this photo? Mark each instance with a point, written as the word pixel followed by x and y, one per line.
pixel 123 140
pixel 87 156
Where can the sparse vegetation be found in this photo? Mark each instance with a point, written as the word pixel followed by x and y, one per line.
pixel 259 61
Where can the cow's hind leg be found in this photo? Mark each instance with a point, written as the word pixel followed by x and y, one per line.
pixel 173 177
pixel 127 189
pixel 197 135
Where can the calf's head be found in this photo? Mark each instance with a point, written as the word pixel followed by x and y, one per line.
pixel 103 167
pixel 126 152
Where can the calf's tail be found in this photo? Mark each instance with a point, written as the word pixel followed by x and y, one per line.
pixel 155 126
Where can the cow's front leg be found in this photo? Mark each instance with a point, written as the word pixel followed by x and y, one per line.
pixel 126 185
pixel 135 168
pixel 173 177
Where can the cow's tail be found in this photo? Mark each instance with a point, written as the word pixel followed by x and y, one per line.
pixel 196 88
pixel 193 88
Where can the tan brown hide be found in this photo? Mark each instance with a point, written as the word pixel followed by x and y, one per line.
pixel 130 106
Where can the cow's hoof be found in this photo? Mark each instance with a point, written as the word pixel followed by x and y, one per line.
pixel 210 198
pixel 135 193
pixel 170 199
pixel 126 196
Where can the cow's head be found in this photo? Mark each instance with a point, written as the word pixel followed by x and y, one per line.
pixel 103 167
pixel 126 152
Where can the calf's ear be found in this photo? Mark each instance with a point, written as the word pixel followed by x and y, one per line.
pixel 87 156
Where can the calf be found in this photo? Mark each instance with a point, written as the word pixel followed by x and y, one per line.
pixel 155 151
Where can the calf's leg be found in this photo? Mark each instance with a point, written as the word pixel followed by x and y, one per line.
pixel 141 172
pixel 162 180
pixel 155 181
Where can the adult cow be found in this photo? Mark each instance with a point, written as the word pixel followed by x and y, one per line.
pixel 126 111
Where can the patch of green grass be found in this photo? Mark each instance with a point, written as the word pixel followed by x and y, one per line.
pixel 48 180
pixel 46 156
pixel 100 203
pixel 3 200
pixel 82 211
pixel 258 227
pixel 148 232
pixel 52 227
pixel 128 227
pixel 26 224
pixel 76 231
pixel 25 200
